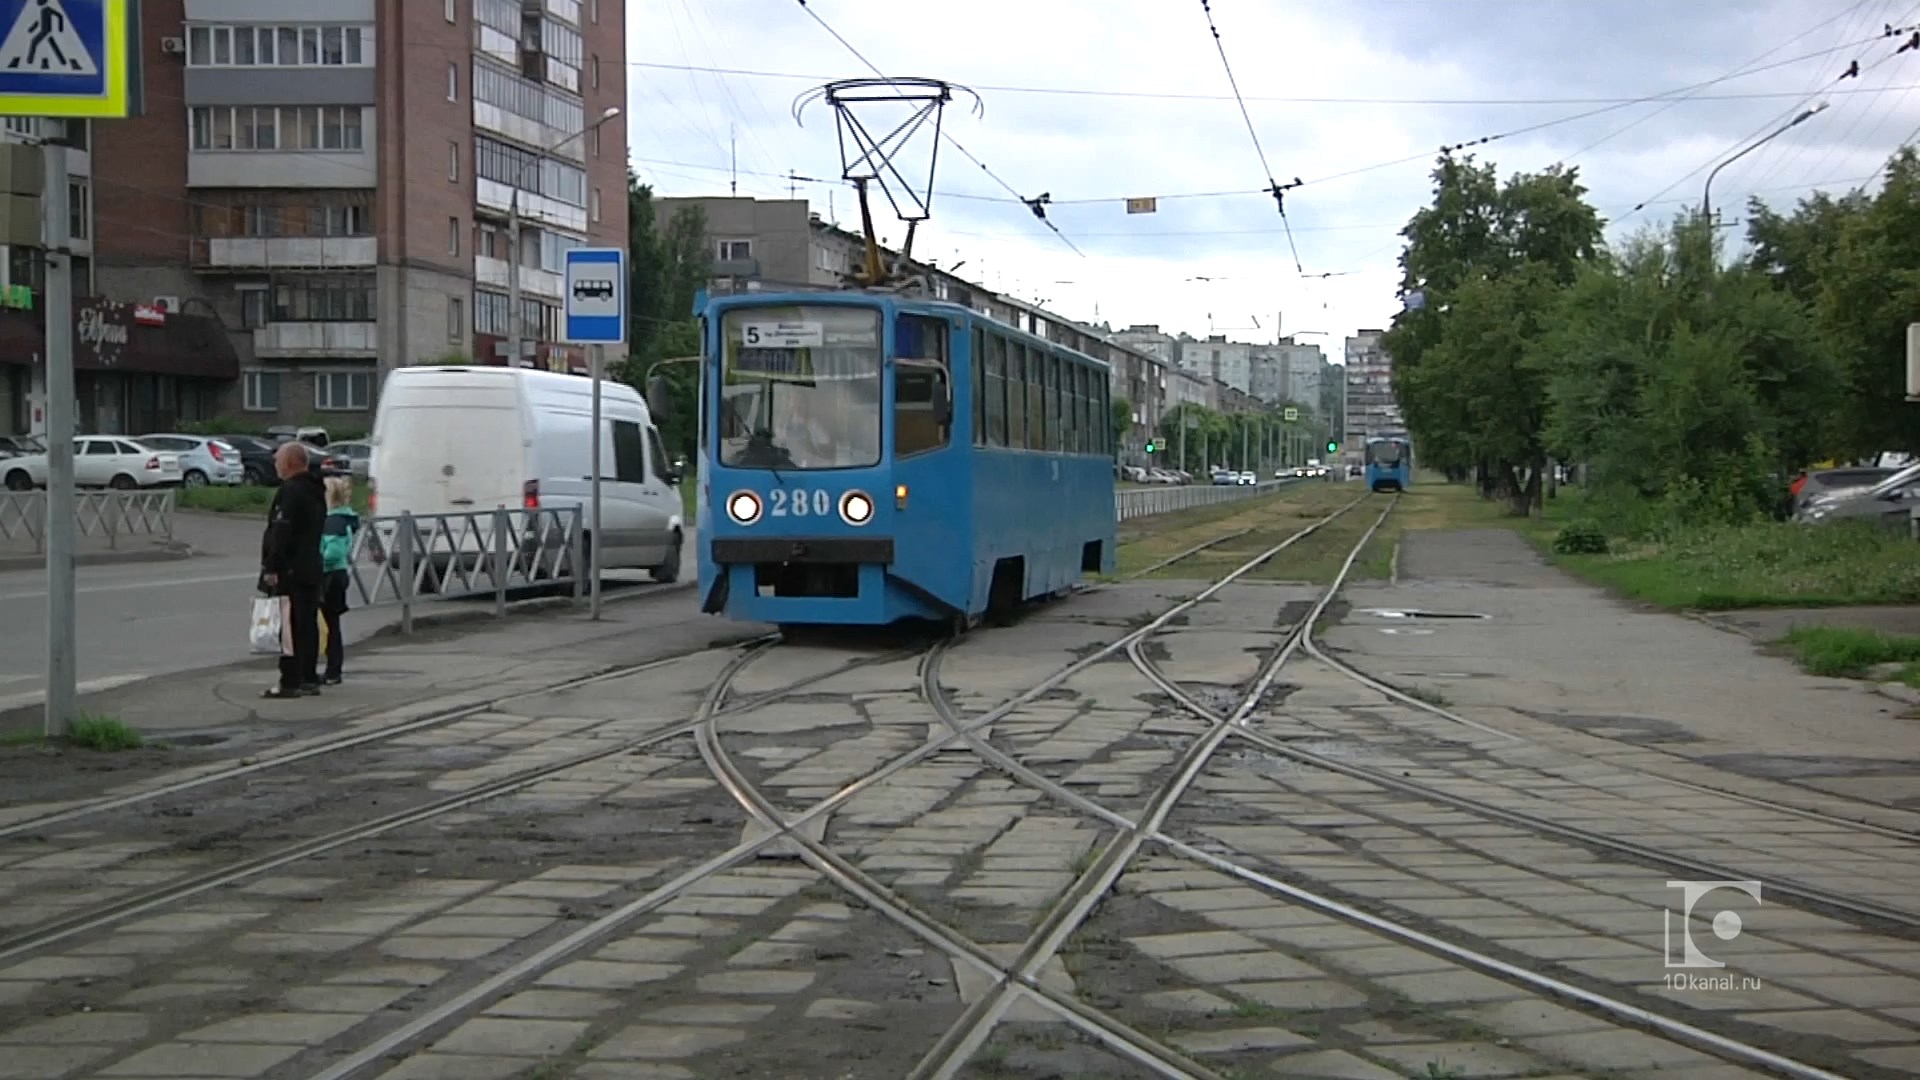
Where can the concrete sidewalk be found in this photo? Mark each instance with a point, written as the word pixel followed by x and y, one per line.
pixel 445 663
pixel 1480 621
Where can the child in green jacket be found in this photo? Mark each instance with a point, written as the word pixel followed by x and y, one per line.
pixel 336 545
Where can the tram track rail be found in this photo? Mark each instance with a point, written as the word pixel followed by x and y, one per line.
pixel 952 1053
pixel 264 763
pixel 425 1025
pixel 1314 649
pixel 326 747
pixel 98 918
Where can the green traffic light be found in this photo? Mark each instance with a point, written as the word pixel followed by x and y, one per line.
pixel 1149 447
pixel 1332 446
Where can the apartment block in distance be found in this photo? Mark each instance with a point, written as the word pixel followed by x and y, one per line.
pixel 331 179
pixel 1371 408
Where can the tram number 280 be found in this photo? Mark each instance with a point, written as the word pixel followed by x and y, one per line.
pixel 799 502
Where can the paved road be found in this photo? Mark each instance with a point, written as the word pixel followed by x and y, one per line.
pixel 141 619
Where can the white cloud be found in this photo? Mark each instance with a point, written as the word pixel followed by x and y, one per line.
pixel 686 126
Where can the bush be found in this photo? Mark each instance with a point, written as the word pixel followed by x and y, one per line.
pixel 240 499
pixel 1581 538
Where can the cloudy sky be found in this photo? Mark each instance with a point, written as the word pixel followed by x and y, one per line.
pixel 1095 101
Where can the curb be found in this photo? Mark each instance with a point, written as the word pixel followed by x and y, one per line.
pixel 390 633
pixel 168 553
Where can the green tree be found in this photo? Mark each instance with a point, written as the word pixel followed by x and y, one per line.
pixel 667 269
pixel 1487 259
pixel 1122 422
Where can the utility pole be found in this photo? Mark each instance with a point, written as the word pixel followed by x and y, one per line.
pixel 514 331
pixel 733 160
pixel 60 399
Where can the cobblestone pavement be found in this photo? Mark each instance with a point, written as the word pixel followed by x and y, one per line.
pixel 614 918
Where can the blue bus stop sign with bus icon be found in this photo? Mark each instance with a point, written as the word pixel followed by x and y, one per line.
pixel 66 58
pixel 596 297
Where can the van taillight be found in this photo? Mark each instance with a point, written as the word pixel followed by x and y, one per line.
pixel 530 495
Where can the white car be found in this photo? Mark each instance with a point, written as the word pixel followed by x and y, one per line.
pixel 1245 479
pixel 99 461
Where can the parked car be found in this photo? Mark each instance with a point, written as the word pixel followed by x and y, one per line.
pixel 20 445
pixel 1810 484
pixel 204 459
pixel 98 461
pixel 312 436
pixel 358 456
pixel 1890 499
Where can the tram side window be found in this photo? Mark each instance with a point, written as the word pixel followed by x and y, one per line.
pixel 1037 399
pixel 1077 410
pixel 1103 418
pixel 1055 406
pixel 1016 395
pixel 979 381
pixel 996 390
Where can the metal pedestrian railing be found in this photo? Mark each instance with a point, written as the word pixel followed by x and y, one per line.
pixel 407 557
pixel 112 515
pixel 1145 502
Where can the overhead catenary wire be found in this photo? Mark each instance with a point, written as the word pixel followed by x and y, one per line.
pixel 1034 204
pixel 1671 102
pixel 1852 71
pixel 1278 191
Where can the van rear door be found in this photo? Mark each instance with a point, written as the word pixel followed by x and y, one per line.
pixel 451 445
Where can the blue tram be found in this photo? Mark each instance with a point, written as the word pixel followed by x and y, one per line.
pixel 868 457
pixel 1389 462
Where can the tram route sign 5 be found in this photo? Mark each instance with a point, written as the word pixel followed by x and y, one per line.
pixel 596 297
pixel 69 58
pixel 1290 414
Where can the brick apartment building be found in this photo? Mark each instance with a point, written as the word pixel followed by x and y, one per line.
pixel 330 180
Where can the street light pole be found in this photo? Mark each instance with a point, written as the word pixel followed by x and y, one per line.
pixel 1706 193
pixel 516 337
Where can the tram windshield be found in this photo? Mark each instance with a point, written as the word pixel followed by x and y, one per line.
pixel 1384 452
pixel 800 387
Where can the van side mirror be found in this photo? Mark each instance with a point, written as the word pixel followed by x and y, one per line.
pixel 659 396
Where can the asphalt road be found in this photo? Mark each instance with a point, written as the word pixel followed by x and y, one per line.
pixel 135 620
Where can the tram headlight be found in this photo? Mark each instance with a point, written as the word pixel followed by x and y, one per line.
pixel 743 507
pixel 856 508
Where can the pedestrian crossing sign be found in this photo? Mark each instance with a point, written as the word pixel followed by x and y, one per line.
pixel 66 58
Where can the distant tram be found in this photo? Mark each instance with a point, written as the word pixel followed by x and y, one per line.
pixel 868 457
pixel 1389 462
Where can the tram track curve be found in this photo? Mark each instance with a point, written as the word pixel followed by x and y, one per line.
pixel 422 1027
pixel 956 1048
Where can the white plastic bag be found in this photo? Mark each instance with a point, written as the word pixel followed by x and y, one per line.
pixel 265 635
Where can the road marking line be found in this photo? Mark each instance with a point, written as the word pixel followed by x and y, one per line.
pixel 132 585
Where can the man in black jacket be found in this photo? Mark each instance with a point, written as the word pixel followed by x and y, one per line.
pixel 290 569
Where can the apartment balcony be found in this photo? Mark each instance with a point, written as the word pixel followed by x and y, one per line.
pixel 511 125
pixel 316 340
pixel 284 252
pixel 737 268
pixel 495 196
pixel 533 280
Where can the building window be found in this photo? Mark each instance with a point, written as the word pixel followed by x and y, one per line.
pixel 342 391
pixel 77 209
pixel 456 319
pixel 595 136
pixel 452 15
pixel 324 300
pixel 453 236
pixel 282 46
pixel 262 391
pixel 594 8
pixel 735 249
pixel 453 161
pixel 503 86
pixel 253 309
pixel 514 167
pixel 594 65
pixel 350 220
pixel 596 204
pixel 288 127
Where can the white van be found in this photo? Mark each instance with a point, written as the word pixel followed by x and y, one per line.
pixel 449 440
